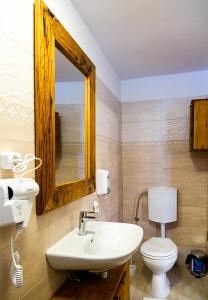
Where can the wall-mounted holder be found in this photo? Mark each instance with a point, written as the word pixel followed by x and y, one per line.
pixel 7 159
pixel 102 182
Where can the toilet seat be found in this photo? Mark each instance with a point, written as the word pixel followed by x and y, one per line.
pixel 159 248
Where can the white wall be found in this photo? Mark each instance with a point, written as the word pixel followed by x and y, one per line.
pixel 192 84
pixel 70 18
pixel 21 32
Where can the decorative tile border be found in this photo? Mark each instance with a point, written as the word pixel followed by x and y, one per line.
pixel 72 144
pixel 98 138
pixel 174 142
pixel 16 111
pixel 126 144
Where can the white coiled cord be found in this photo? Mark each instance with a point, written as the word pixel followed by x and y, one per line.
pixel 16 270
pixel 20 165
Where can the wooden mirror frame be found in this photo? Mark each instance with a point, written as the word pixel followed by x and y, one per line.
pixel 49 33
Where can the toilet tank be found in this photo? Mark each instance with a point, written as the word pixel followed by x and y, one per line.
pixel 162 204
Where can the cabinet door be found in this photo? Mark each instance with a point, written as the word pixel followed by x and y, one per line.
pixel 200 139
pixel 122 292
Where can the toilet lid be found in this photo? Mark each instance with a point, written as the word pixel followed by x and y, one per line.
pixel 159 247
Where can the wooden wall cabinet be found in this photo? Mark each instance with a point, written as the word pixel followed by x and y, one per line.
pixel 115 287
pixel 199 124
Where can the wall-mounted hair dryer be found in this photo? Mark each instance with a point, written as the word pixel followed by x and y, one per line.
pixel 16 199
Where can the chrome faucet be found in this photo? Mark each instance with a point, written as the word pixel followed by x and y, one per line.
pixel 84 217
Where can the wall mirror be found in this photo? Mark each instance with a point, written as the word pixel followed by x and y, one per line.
pixel 69 120
pixel 64 114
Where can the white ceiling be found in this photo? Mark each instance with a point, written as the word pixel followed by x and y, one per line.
pixel 149 37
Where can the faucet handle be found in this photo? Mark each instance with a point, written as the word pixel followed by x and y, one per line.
pixel 84 214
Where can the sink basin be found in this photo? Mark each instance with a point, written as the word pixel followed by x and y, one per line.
pixel 105 246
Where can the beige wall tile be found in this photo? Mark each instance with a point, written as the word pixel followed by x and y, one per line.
pixel 107 110
pixel 32 251
pixel 130 199
pixel 184 177
pixel 187 236
pixel 16 72
pixel 177 129
pixel 141 156
pixel 129 210
pixel 18 127
pixel 141 111
pixel 33 259
pixel 5 237
pixel 150 229
pixel 108 156
pixel 175 108
pixel 108 128
pixel 58 230
pixel 147 164
pixel 22 146
pixel 7 290
pixel 192 217
pixel 182 168
pixel 178 156
pixel 105 99
pixel 108 113
pixel 147 176
pixel 141 131
pixel 193 197
pixel 45 287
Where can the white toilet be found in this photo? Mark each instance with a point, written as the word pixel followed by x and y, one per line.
pixel 160 253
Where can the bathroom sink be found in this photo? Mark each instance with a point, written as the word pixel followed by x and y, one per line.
pixel 105 246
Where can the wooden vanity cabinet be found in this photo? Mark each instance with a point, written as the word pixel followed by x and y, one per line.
pixel 199 124
pixel 122 292
pixel 115 287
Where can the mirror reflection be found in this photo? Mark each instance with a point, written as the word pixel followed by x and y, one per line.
pixel 69 120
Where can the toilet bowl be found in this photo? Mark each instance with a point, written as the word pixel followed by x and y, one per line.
pixel 159 255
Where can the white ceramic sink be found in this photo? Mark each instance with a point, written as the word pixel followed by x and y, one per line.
pixel 105 246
